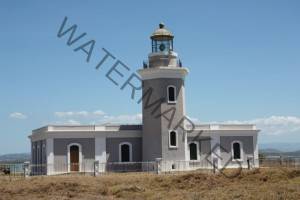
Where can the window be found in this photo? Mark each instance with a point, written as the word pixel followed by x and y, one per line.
pixel 173 139
pixel 193 151
pixel 163 45
pixel 237 151
pixel 171 94
pixel 125 152
pixel 173 166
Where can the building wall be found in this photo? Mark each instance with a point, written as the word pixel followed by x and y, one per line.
pixel 204 147
pixel 61 153
pixel 112 148
pixel 38 152
pixel 226 149
pixel 152 141
pixel 38 157
pixel 156 128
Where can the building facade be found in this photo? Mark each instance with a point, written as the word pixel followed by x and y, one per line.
pixel 166 139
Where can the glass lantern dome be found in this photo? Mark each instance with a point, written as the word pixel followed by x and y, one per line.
pixel 162 40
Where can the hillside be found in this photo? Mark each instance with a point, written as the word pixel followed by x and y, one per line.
pixel 275 152
pixel 283 146
pixel 257 184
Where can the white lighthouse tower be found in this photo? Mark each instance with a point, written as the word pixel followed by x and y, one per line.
pixel 163 100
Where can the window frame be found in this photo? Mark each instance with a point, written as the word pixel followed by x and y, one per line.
pixel 176 134
pixel 241 151
pixel 120 151
pixel 198 151
pixel 175 94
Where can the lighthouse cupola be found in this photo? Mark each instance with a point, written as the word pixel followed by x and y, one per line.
pixel 162 54
pixel 162 40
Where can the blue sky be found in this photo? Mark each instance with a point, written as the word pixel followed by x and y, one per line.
pixel 243 58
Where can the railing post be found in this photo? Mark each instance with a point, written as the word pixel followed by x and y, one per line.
pixel 158 165
pixel 248 163
pixel 26 169
pixel 96 168
pixel 250 160
pixel 215 165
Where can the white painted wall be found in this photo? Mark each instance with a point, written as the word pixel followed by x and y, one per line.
pixel 100 152
pixel 256 158
pixel 50 156
pixel 215 149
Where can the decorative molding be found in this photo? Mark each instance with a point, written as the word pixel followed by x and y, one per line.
pixel 169 53
pixel 163 72
pixel 85 134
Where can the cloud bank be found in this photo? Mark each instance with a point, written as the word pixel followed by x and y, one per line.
pixel 79 114
pixel 273 125
pixel 95 117
pixel 277 125
pixel 17 115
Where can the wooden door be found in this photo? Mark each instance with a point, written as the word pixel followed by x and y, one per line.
pixel 74 158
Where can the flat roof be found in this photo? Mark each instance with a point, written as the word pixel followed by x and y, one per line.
pixel 126 127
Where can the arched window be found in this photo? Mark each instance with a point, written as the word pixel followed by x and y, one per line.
pixel 193 151
pixel 237 150
pixel 125 152
pixel 173 139
pixel 171 94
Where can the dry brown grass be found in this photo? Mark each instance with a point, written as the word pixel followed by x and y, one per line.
pixel 257 184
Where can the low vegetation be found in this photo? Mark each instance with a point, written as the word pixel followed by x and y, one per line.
pixel 277 183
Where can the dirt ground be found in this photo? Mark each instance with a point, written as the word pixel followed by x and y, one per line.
pixel 256 184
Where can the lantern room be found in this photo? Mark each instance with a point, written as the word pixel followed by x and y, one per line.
pixel 162 40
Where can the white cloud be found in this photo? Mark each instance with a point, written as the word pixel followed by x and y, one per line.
pixel 63 114
pixel 17 115
pixel 79 114
pixel 95 117
pixel 99 112
pixel 126 119
pixel 72 122
pixel 277 125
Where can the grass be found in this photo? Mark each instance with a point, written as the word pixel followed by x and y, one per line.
pixel 257 184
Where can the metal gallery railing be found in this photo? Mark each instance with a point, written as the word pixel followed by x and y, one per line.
pixel 280 161
pixel 158 166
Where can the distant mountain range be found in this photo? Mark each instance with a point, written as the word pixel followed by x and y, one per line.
pixel 283 147
pixel 275 152
pixel 16 157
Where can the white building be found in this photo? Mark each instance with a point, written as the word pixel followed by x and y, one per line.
pixel 168 144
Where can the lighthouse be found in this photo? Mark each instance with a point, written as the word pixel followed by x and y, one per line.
pixel 163 100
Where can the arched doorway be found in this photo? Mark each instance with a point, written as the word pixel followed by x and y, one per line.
pixel 74 157
pixel 125 150
pixel 193 151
